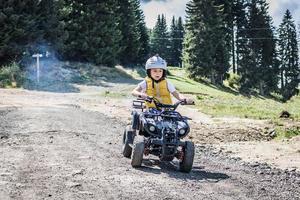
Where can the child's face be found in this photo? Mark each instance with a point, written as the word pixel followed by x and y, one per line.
pixel 156 73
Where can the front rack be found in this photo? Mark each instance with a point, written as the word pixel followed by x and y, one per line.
pixel 138 104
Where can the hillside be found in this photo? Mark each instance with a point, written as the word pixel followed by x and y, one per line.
pixel 224 102
pixel 228 102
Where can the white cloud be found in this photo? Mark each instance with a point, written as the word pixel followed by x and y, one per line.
pixel 152 8
pixel 278 8
pixel 169 8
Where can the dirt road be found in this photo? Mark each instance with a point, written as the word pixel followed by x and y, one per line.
pixel 55 146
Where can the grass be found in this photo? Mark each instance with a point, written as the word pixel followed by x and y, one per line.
pixel 115 95
pixel 89 72
pixel 11 76
pixel 287 133
pixel 136 73
pixel 219 101
pixel 223 101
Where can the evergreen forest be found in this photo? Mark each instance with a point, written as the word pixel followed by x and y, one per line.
pixel 219 39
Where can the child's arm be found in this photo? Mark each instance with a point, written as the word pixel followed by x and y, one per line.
pixel 181 97
pixel 178 96
pixel 137 92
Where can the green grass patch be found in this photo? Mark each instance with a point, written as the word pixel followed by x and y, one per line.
pixel 224 101
pixel 115 95
pixel 11 76
pixel 136 72
pixel 90 72
pixel 233 80
pixel 287 133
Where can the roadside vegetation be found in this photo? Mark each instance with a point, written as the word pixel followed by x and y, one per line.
pixel 287 132
pixel 90 72
pixel 226 101
pixel 11 76
pixel 217 101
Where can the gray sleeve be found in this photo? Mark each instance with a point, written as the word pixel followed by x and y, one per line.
pixel 171 87
pixel 143 85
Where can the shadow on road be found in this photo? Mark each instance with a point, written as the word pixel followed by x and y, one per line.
pixel 171 168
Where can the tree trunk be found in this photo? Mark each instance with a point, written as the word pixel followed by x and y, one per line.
pixel 261 88
pixel 281 80
pixel 212 78
pixel 233 51
pixel 237 63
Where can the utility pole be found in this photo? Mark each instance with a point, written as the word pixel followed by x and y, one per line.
pixel 37 56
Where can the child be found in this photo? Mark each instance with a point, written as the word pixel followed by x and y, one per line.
pixel 156 85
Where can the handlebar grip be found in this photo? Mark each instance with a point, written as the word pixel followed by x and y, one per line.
pixel 186 103
pixel 192 103
pixel 149 99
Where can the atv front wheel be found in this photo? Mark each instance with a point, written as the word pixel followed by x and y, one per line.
pixel 186 164
pixel 128 137
pixel 138 151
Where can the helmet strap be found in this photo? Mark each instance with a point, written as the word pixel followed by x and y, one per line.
pixel 156 81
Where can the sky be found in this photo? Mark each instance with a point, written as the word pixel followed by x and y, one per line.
pixel 152 8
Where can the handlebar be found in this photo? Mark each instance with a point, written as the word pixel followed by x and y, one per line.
pixel 161 105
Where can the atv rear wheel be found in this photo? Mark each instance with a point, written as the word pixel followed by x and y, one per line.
pixel 128 137
pixel 186 164
pixel 138 151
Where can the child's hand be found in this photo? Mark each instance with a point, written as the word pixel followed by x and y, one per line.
pixel 143 95
pixel 189 101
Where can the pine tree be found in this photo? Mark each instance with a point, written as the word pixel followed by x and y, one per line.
pixel 144 50
pixel 242 42
pixel 179 42
pixel 155 36
pixel 160 38
pixel 288 56
pixel 26 24
pixel 205 44
pixel 129 27
pixel 220 22
pixel 191 44
pixel 51 25
pixel 235 18
pixel 93 31
pixel 173 50
pixel 270 67
pixel 260 71
pixel 226 10
pixel 176 39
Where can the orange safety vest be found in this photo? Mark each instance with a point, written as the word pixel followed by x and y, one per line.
pixel 160 91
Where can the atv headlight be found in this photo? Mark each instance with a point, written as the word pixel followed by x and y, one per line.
pixel 151 128
pixel 182 131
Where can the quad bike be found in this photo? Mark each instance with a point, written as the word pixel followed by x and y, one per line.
pixel 159 132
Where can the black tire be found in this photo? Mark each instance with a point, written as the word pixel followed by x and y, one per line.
pixel 137 151
pixel 128 137
pixel 186 164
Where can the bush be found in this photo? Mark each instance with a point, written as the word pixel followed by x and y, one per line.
pixel 287 132
pixel 11 75
pixel 234 80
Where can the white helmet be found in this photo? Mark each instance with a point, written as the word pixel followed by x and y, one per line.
pixel 156 62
